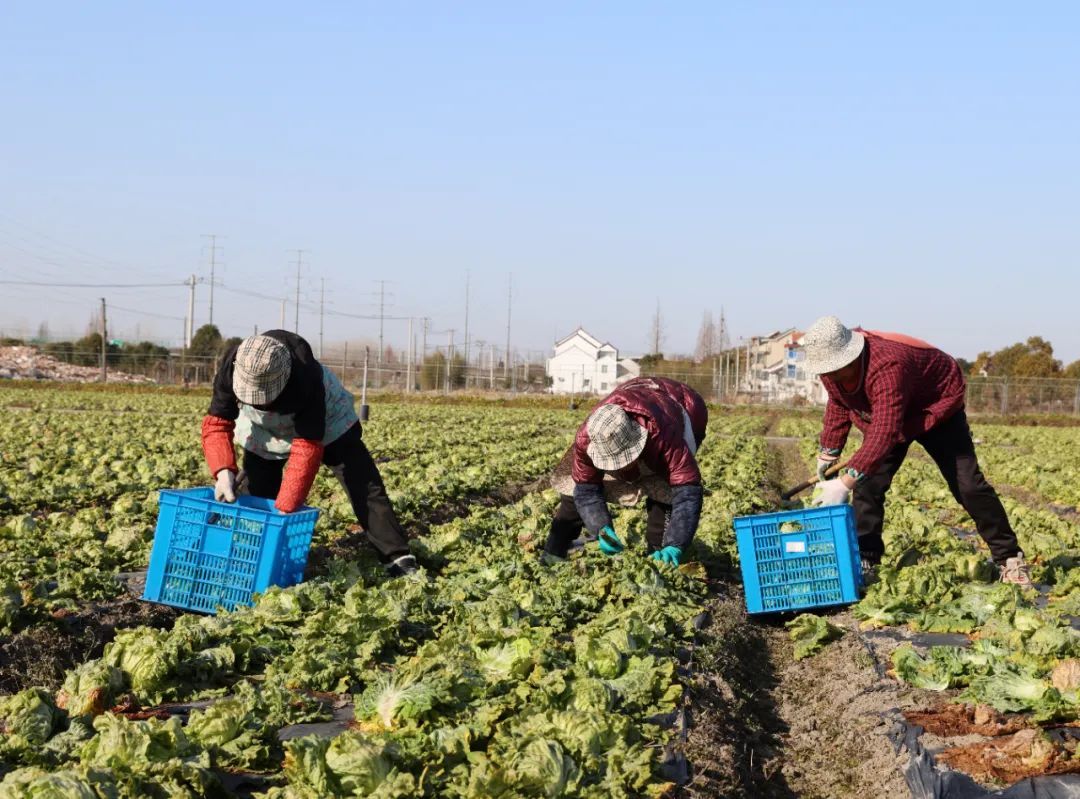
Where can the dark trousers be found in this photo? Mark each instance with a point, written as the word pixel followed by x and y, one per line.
pixel 951 447
pixel 567 526
pixel 349 459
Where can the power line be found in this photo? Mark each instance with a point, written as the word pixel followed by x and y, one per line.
pixel 92 285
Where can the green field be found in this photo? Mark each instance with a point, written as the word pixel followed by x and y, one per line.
pixel 495 675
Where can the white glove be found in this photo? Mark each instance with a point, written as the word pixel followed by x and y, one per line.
pixel 225 486
pixel 832 492
pixel 824 463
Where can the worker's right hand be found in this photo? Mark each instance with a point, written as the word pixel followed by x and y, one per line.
pixel 825 461
pixel 225 486
pixel 609 542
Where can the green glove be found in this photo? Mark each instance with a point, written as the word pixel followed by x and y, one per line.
pixel 668 555
pixel 610 544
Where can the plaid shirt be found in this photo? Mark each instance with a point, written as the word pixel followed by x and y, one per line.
pixel 905 391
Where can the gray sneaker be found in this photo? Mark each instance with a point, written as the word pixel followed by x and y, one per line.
pixel 1017 572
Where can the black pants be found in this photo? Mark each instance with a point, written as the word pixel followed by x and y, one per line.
pixel 349 459
pixel 567 526
pixel 952 449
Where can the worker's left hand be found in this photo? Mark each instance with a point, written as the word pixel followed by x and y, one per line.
pixel 669 555
pixel 610 543
pixel 832 492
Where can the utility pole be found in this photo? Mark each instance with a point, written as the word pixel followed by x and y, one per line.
pixel 427 321
pixel 282 325
pixel 409 365
pixel 189 325
pixel 213 266
pixel 299 265
pixel 382 317
pixel 466 328
pixel 322 300
pixel 449 357
pixel 509 297
pixel 104 344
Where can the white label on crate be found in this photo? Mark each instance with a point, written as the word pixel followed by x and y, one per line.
pixel 794 546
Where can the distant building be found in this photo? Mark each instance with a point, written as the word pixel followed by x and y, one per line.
pixel 582 364
pixel 776 372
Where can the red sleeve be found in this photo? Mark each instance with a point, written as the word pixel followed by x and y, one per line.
pixel 217 444
pixel 888 403
pixel 682 465
pixel 300 471
pixel 836 426
pixel 583 470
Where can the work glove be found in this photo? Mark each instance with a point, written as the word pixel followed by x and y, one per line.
pixel 225 486
pixel 824 463
pixel 610 544
pixel 669 555
pixel 832 492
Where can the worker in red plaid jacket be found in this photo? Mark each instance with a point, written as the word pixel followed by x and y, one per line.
pixel 898 390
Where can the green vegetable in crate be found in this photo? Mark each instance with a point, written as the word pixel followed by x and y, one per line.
pixel 898 390
pixel 642 439
pixel 292 414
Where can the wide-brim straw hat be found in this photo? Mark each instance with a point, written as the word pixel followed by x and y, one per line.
pixel 830 346
pixel 261 370
pixel 615 440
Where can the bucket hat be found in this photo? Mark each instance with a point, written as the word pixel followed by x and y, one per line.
pixel 615 440
pixel 261 370
pixel 831 346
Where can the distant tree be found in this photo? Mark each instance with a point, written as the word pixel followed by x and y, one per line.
pixel 708 340
pixel 656 332
pixel 206 342
pixel 433 372
pixel 1031 358
pixel 87 351
pixel 1072 371
pixel 43 332
pixel 232 341
pixel 965 365
pixel 144 356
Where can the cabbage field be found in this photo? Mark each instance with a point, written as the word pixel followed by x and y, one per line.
pixel 495 674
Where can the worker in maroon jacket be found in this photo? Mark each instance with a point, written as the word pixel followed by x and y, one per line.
pixel 649 427
pixel 291 413
pixel 896 390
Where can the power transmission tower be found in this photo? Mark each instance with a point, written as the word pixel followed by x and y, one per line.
pixel 509 297
pixel 213 266
pixel 382 316
pixel 299 266
pixel 190 325
pixel 322 301
pixel 104 344
pixel 466 328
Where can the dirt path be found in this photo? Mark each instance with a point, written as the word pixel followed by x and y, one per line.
pixel 834 708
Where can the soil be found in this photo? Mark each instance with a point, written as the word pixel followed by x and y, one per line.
pixel 43 654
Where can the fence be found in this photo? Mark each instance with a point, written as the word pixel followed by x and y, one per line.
pixel 1023 395
pixel 985 395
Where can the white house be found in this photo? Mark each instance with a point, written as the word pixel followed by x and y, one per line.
pixel 582 364
pixel 776 372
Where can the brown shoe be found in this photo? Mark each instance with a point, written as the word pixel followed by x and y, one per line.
pixel 1017 572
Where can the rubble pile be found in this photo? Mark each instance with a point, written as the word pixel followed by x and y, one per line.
pixel 26 363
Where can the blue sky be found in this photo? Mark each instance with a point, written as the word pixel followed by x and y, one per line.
pixel 907 166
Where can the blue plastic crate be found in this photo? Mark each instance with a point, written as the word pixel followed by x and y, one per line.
pixel 211 554
pixel 814 565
